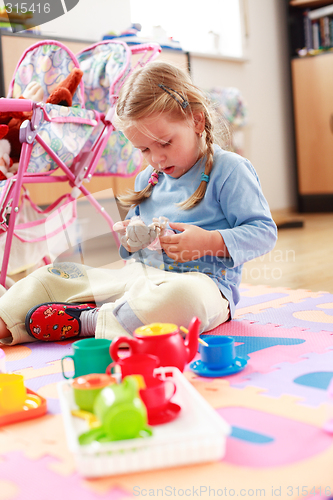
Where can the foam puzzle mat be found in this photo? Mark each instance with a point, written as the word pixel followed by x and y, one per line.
pixel 278 407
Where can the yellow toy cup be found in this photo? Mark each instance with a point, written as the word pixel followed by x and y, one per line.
pixel 13 393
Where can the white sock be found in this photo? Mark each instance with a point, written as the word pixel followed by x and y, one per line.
pixel 88 321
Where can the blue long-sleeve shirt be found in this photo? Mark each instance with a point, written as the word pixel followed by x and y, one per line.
pixel 233 204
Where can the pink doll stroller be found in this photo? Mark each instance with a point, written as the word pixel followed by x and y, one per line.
pixel 77 141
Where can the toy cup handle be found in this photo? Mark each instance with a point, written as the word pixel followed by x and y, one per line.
pixel 173 390
pixel 132 344
pixel 108 370
pixel 62 365
pixel 145 431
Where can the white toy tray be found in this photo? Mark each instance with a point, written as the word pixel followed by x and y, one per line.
pixel 197 435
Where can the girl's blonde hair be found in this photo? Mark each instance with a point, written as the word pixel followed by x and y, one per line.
pixel 160 87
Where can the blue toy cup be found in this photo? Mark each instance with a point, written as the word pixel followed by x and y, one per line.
pixel 219 353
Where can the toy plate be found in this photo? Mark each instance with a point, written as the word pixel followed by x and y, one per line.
pixel 201 369
pixel 31 409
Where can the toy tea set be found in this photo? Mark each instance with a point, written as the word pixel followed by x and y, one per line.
pixel 125 398
pixel 133 410
pixel 125 405
pixel 16 401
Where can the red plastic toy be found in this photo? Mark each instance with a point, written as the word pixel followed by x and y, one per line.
pixel 164 341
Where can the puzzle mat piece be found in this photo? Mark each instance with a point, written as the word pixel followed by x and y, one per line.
pixel 220 394
pixel 54 367
pixel 316 497
pixel 191 475
pixel 319 496
pixel 290 343
pixel 47 388
pixel 284 379
pixel 105 483
pixel 38 437
pixel 258 301
pixel 229 478
pixel 246 345
pixel 316 470
pixel 8 490
pixel 260 439
pixel 35 354
pixel 187 472
pixel 271 359
pixel 15 352
pixel 19 436
pixel 254 299
pixel 312 314
pixel 38 482
pixel 38 478
pixel 49 369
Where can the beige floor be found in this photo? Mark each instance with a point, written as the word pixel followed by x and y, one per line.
pixel 302 257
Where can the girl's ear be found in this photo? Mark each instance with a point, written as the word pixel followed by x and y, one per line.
pixel 199 122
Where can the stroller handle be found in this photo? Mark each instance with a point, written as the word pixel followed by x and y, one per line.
pixel 12 105
pixel 154 47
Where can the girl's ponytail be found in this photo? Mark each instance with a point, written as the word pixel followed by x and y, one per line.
pixel 198 195
pixel 137 197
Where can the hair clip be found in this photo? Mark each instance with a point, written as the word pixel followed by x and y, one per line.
pixel 204 177
pixel 153 179
pixel 183 103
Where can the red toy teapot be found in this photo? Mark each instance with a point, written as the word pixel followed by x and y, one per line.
pixel 164 341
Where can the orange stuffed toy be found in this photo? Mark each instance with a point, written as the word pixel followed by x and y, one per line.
pixel 61 95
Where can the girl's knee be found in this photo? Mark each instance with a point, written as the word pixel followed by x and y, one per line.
pixel 185 289
pixel 185 294
pixel 187 297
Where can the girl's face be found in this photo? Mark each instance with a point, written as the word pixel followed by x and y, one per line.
pixel 170 146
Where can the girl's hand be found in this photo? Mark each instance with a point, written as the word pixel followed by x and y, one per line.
pixel 120 228
pixel 192 243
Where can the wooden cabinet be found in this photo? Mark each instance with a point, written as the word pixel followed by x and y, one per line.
pixel 312 85
pixel 313 111
pixel 11 49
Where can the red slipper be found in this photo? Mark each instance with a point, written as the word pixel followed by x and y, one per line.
pixel 54 321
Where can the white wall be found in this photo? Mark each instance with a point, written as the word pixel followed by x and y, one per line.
pixel 90 20
pixel 262 79
pixel 264 83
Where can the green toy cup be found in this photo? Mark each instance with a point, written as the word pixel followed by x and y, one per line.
pixel 90 356
pixel 121 411
pixel 87 387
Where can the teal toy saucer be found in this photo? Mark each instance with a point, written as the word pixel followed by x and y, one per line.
pixel 201 369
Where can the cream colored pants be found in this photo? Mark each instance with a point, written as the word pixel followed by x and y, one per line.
pixel 129 297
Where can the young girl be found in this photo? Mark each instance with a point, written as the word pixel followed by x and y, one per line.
pixel 217 217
